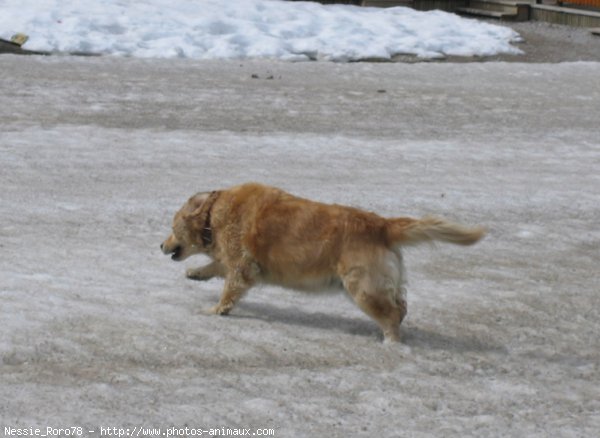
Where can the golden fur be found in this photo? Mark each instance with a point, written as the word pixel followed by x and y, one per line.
pixel 259 234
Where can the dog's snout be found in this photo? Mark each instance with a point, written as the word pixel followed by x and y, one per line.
pixel 165 248
pixel 168 247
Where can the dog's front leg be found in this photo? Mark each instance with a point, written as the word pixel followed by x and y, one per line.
pixel 234 289
pixel 237 282
pixel 213 269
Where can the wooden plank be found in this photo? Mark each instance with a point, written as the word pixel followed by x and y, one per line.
pixel 588 3
pixel 484 13
pixel 11 47
pixel 386 3
pixel 568 16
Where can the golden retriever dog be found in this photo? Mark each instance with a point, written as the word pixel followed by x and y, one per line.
pixel 259 234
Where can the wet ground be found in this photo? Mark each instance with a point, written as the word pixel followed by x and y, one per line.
pixel 100 329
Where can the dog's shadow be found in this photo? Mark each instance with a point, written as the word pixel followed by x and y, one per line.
pixel 411 335
pixel 319 320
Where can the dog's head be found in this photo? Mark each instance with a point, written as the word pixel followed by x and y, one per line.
pixel 188 223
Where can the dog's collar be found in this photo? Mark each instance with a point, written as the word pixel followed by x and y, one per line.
pixel 207 233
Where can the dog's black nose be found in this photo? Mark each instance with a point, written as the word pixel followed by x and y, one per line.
pixel 161 246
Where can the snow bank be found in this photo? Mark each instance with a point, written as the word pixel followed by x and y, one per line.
pixel 247 29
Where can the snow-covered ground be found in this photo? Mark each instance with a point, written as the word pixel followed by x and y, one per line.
pixel 99 329
pixel 247 29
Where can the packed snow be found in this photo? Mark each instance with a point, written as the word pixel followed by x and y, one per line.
pixel 99 329
pixel 248 29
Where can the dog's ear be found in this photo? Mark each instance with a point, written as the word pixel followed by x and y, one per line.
pixel 193 207
pixel 196 212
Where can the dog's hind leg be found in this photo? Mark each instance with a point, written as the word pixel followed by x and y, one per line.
pixel 380 300
pixel 213 269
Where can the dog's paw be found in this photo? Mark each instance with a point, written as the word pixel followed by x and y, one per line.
pixel 219 310
pixel 197 274
pixel 392 337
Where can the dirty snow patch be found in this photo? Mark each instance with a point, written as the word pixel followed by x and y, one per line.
pixel 248 29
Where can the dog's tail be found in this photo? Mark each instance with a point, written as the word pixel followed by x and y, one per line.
pixel 409 231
